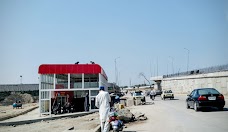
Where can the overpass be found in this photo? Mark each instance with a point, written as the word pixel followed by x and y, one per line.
pixel 188 82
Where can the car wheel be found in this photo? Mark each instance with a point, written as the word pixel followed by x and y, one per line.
pixel 220 108
pixel 195 107
pixel 187 106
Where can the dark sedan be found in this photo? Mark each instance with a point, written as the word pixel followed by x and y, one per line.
pixel 158 92
pixel 204 98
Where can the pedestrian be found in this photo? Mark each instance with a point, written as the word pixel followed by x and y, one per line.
pixel 102 102
pixel 152 94
pixel 117 99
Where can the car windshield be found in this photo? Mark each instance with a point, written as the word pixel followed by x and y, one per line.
pixel 168 91
pixel 207 91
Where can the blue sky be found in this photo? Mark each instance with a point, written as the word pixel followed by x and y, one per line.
pixel 139 32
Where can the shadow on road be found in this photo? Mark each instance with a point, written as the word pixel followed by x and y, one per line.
pixel 128 131
pixel 214 110
pixel 170 100
pixel 149 103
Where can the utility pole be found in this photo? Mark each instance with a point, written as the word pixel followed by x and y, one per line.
pixel 188 58
pixel 157 66
pixel 150 70
pixel 118 79
pixel 130 82
pixel 21 78
pixel 116 72
pixel 172 63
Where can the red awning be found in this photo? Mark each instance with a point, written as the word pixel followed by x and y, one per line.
pixel 71 68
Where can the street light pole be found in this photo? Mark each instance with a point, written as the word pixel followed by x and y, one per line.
pixel 21 78
pixel 172 63
pixel 116 70
pixel 188 58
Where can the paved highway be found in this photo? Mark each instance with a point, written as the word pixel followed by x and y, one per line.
pixel 173 116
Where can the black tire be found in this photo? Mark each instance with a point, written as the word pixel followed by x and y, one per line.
pixel 195 107
pixel 220 108
pixel 187 106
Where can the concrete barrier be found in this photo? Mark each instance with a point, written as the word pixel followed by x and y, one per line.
pixel 137 102
pixel 130 102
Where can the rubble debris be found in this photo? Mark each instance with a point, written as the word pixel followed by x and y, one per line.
pixel 72 128
pixel 125 115
pixel 24 98
pixel 140 116
pixel 91 119
pixel 3 111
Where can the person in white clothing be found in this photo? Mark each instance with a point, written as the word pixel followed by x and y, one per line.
pixel 102 102
pixel 152 94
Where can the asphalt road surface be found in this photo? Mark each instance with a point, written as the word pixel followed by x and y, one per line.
pixel 173 116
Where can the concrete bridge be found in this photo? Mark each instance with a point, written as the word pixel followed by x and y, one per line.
pixel 185 84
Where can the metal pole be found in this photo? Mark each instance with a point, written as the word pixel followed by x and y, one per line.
pixel 172 63
pixel 157 66
pixel 116 69
pixel 150 70
pixel 172 66
pixel 21 78
pixel 188 58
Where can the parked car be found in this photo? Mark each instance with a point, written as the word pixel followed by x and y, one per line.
pixel 167 94
pixel 204 98
pixel 139 95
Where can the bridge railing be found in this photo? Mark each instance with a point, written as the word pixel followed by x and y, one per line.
pixel 199 71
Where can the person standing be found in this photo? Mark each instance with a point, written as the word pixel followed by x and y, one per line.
pixel 152 94
pixel 102 102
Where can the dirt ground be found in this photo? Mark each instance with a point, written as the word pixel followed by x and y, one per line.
pixel 7 111
pixel 84 123
pixel 88 122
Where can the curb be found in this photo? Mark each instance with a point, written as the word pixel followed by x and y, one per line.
pixel 44 119
pixel 15 115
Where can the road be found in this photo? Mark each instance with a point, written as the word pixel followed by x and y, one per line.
pixel 172 116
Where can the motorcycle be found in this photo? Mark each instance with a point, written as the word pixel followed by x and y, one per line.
pixel 57 109
pixel 115 123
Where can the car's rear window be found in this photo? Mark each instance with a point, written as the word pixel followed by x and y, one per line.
pixel 138 93
pixel 207 91
pixel 168 91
